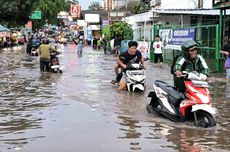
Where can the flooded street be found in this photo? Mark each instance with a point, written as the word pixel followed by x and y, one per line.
pixel 80 110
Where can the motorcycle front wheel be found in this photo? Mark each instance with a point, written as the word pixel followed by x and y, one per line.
pixel 205 120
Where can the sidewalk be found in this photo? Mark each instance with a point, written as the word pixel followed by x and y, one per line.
pixel 218 77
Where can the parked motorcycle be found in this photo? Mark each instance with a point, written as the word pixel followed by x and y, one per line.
pixel 193 105
pixel 135 76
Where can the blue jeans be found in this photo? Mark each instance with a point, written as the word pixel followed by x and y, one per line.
pixel 228 73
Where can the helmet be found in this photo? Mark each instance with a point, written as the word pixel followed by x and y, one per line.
pixel 45 41
pixel 186 45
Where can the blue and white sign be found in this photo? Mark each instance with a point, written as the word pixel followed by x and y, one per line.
pixel 177 36
pixel 105 22
pixel 89 34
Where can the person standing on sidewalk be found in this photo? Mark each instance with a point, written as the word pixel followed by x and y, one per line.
pixel 158 49
pixel 225 50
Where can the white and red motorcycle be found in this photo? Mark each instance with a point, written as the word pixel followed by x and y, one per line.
pixel 193 105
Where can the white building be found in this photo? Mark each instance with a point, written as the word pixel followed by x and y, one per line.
pixel 171 12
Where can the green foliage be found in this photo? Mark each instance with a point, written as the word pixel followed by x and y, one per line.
pixel 95 6
pixel 106 32
pixel 141 8
pixel 15 12
pixel 49 9
pixel 122 29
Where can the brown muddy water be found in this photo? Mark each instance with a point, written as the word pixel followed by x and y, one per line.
pixel 80 110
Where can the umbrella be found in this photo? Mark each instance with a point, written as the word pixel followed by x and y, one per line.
pixel 4 29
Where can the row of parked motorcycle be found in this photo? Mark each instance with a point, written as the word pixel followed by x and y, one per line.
pixel 192 106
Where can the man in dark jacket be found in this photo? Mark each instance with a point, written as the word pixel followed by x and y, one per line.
pixel 189 61
pixel 29 47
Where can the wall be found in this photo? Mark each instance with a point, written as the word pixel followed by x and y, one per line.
pixel 171 20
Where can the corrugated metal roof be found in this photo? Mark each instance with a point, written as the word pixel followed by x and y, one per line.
pixel 190 11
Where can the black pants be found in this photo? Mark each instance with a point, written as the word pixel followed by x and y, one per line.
pixel 119 76
pixel 44 64
pixel 156 56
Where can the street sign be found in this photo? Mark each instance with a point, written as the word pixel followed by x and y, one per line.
pixel 36 15
pixel 75 11
pixel 105 22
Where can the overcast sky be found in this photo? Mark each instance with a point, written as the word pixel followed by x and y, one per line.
pixel 85 3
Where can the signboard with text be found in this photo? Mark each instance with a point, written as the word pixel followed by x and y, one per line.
pixel 36 15
pixel 75 10
pixel 173 38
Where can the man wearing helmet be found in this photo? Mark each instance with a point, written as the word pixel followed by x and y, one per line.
pixel 44 52
pixel 189 61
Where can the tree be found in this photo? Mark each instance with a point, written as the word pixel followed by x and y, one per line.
pixel 50 9
pixel 122 29
pixel 15 12
pixel 95 6
pixel 141 8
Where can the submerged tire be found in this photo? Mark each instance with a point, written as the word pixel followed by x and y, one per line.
pixel 149 108
pixel 205 120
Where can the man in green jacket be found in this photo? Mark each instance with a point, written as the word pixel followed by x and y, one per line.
pixel 189 61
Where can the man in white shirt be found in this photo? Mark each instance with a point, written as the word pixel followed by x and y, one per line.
pixel 158 49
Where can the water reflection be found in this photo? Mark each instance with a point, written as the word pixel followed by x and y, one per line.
pixel 129 127
pixel 27 97
pixel 227 90
pixel 24 93
pixel 191 140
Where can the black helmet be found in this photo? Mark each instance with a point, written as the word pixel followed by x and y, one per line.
pixel 186 45
pixel 45 41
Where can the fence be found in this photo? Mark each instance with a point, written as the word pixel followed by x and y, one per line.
pixel 208 38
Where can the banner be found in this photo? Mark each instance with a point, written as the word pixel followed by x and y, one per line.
pixel 173 38
pixel 124 45
pixel 143 47
pixel 89 34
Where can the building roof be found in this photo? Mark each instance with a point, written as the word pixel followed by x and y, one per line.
pixel 190 11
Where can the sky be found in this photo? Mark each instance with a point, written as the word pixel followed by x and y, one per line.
pixel 85 3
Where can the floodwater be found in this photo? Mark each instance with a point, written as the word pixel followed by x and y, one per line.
pixel 79 110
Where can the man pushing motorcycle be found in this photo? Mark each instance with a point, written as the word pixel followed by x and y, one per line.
pixel 132 55
pixel 189 61
pixel 45 52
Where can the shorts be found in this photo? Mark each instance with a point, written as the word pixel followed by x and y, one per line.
pixel 228 73
pixel 117 48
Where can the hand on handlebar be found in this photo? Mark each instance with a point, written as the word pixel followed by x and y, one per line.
pixel 124 66
pixel 178 73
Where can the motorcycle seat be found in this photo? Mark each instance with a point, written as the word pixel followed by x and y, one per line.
pixel 175 97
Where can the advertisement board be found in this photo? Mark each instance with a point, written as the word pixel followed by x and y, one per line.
pixel 75 10
pixel 92 18
pixel 173 38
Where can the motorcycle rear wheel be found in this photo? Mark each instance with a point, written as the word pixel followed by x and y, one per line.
pixel 205 120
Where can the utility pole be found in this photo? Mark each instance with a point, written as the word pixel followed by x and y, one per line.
pixel 200 3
